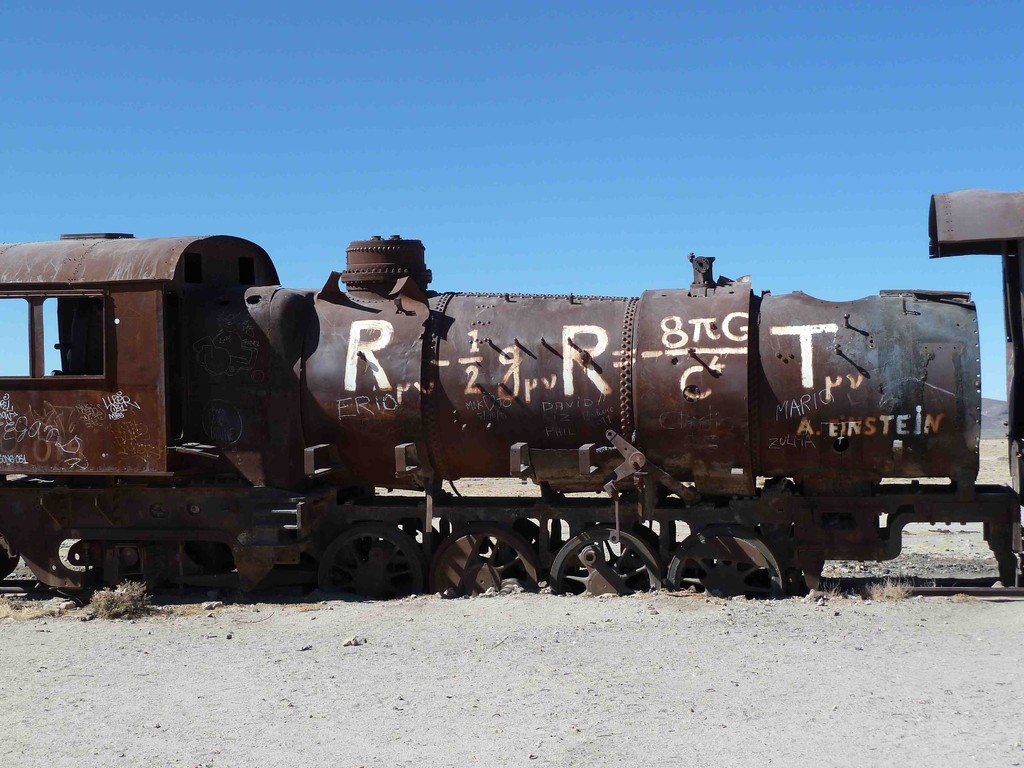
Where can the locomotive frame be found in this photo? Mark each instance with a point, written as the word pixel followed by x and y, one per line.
pixel 209 427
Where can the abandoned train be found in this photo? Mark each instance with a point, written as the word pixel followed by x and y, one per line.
pixel 183 419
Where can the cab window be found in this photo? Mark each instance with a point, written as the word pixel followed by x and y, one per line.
pixel 14 328
pixel 73 327
pixel 52 336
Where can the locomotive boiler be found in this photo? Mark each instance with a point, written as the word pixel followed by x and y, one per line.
pixel 196 423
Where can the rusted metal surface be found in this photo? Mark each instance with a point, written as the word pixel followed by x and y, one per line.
pixel 362 388
pixel 119 388
pixel 207 426
pixel 691 387
pixel 541 370
pixel 241 362
pixel 979 221
pixel 885 386
pixel 103 416
pixel 974 221
pixel 104 260
pixel 377 263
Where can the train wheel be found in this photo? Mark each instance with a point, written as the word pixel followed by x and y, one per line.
pixel 374 560
pixel 482 556
pixel 8 558
pixel 591 563
pixel 726 561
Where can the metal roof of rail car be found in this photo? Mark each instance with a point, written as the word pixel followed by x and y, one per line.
pixel 95 259
pixel 972 221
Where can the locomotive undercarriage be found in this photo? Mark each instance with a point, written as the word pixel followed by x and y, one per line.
pixel 239 537
pixel 757 546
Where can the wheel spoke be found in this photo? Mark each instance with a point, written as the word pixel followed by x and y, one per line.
pixel 476 545
pixel 611 557
pixel 633 567
pixel 721 562
pixel 478 556
pixel 374 559
pixel 505 566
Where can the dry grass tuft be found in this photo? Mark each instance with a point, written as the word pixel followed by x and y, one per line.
pixel 831 590
pixel 22 611
pixel 126 601
pixel 888 591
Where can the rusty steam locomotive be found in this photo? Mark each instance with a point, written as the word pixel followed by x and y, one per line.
pixel 196 423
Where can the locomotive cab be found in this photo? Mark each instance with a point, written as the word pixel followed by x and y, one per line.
pixel 92 389
pixel 83 391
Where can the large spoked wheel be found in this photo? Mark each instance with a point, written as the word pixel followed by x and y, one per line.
pixel 374 560
pixel 8 558
pixel 482 556
pixel 590 563
pixel 727 561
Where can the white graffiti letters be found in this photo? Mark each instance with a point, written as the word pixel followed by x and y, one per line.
pixel 805 332
pixel 673 336
pixel 698 394
pixel 573 352
pixel 513 358
pixel 50 434
pixel 708 325
pixel 738 334
pixel 118 404
pixel 364 338
pixel 704 329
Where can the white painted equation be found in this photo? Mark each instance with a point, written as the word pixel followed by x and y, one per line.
pixel 581 345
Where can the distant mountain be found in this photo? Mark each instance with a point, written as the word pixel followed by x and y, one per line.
pixel 993 417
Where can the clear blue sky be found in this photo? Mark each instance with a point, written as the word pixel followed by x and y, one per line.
pixel 549 147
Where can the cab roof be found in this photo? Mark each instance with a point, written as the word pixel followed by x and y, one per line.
pixel 96 259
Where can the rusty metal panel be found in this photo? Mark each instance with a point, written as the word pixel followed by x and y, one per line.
pixel 1013 314
pixel 691 379
pixel 978 221
pixel 138 433
pixel 362 385
pixel 101 260
pixel 885 386
pixel 227 375
pixel 974 221
pixel 510 368
pixel 111 423
pixel 72 431
pixel 291 313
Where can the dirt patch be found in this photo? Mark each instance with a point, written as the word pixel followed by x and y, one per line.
pixel 523 680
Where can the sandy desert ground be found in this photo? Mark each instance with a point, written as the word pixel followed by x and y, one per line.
pixel 534 680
